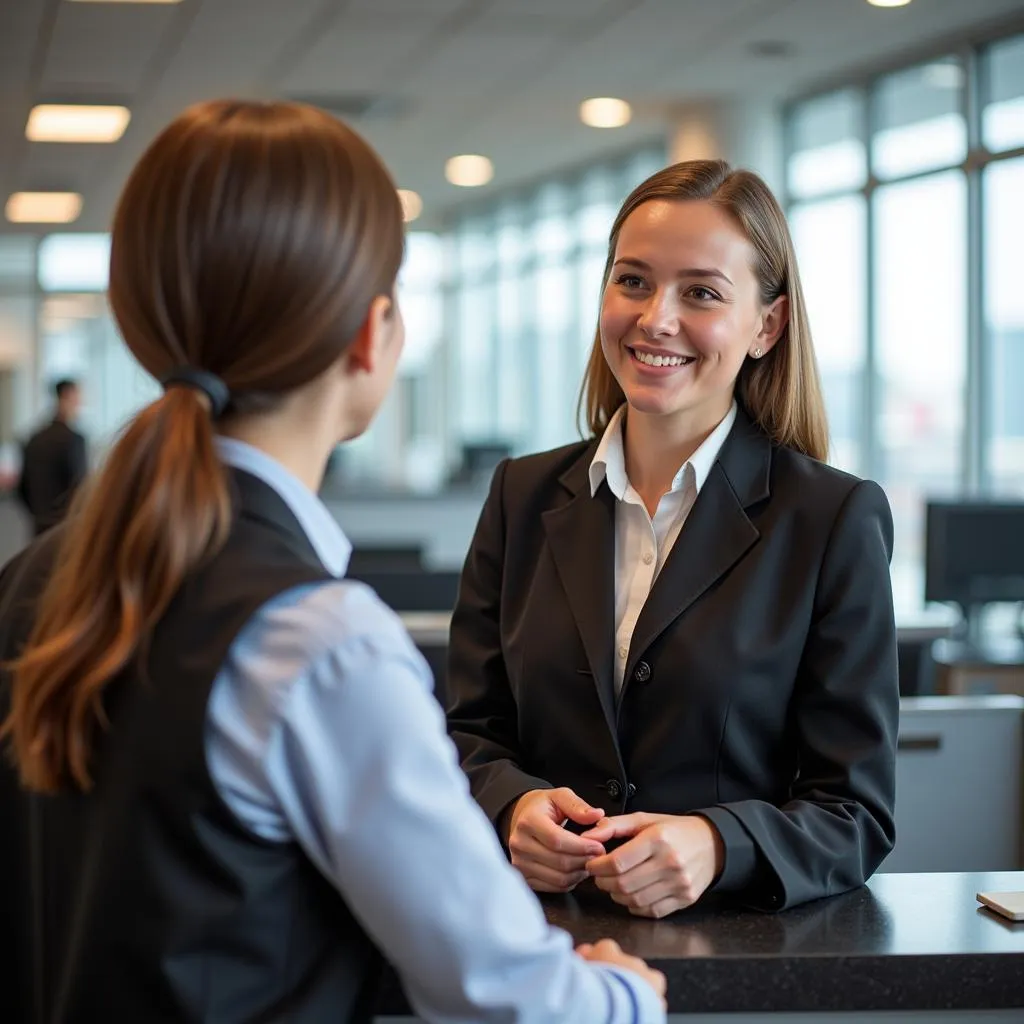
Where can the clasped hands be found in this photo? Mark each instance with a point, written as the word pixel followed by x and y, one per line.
pixel 667 863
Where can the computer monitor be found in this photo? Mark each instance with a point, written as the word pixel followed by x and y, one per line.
pixel 974 552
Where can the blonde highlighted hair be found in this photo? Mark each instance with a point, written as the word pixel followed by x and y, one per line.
pixel 781 392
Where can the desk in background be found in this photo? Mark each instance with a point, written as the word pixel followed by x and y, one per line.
pixel 959 785
pixel 989 667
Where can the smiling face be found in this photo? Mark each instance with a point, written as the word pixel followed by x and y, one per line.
pixel 682 310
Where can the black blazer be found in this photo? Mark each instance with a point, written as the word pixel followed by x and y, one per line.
pixel 53 466
pixel 761 685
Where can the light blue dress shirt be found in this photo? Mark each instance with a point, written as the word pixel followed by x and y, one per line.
pixel 322 728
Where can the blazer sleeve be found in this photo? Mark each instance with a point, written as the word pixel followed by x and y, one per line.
pixel 482 715
pixel 838 826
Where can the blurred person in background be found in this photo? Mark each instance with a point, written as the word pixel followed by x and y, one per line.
pixel 687 619
pixel 54 462
pixel 232 790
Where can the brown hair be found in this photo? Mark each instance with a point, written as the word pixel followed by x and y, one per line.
pixel 250 242
pixel 781 391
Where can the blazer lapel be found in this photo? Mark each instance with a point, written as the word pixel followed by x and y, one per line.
pixel 716 535
pixel 581 535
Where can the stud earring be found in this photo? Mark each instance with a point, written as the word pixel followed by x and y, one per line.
pixel 757 352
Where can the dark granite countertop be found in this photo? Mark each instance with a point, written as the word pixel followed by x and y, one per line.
pixel 903 942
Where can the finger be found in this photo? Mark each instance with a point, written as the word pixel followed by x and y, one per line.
pixel 526 850
pixel 574 807
pixel 649 873
pixel 649 896
pixel 554 837
pixel 618 827
pixel 538 886
pixel 602 828
pixel 627 857
pixel 662 908
pixel 658 982
pixel 544 879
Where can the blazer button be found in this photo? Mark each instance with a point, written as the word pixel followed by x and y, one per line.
pixel 642 672
pixel 630 791
pixel 613 788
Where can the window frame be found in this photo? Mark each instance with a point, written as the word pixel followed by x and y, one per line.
pixel 972 53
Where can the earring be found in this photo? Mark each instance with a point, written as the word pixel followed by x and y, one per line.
pixel 757 352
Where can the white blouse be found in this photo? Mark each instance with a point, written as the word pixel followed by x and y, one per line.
pixel 642 544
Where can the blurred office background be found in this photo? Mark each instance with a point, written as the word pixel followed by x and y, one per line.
pixel 894 136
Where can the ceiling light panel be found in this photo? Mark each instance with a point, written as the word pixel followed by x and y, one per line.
pixel 53 122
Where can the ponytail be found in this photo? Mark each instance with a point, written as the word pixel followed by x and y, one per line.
pixel 159 508
pixel 248 243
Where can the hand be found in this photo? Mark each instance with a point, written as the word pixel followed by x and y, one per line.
pixel 607 951
pixel 550 858
pixel 667 864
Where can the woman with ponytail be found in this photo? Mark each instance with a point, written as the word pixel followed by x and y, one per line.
pixel 228 788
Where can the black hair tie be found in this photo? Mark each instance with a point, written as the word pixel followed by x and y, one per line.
pixel 200 380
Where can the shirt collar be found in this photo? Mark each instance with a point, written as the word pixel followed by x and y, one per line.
pixel 609 462
pixel 329 542
pixel 704 457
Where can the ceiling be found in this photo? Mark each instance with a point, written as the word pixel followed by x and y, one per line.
pixel 426 79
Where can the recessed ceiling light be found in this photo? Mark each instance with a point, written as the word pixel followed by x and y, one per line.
pixel 469 170
pixel 888 3
pixel 43 207
pixel 50 122
pixel 412 204
pixel 605 112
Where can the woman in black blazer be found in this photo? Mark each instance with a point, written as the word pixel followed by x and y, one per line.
pixel 673 658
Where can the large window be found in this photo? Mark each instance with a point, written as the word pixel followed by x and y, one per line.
pixel 1003 118
pixel 1004 325
pixel 523 298
pixel 826 145
pixel 906 199
pixel 830 238
pixel 404 447
pixel 499 307
pixel 18 314
pixel 500 310
pixel 920 282
pixel 919 124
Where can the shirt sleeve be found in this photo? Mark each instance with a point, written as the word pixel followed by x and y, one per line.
pixel 355 759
